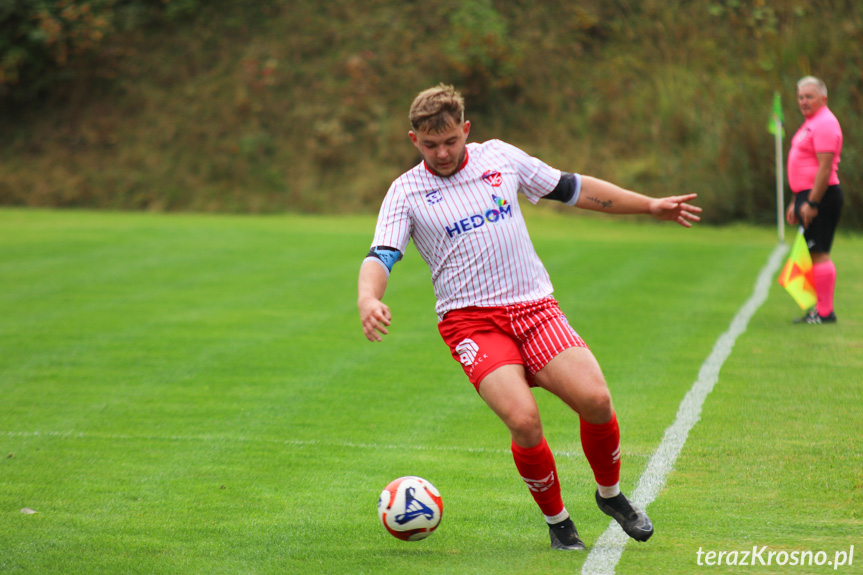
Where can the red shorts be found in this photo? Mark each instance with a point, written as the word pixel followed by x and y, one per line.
pixel 530 334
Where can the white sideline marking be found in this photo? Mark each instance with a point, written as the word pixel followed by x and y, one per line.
pixel 604 556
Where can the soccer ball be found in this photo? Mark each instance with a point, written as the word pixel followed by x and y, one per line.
pixel 410 508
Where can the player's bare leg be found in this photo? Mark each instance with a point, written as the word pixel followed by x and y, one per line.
pixel 507 392
pixel 576 378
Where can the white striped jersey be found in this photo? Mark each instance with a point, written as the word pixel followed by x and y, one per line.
pixel 469 228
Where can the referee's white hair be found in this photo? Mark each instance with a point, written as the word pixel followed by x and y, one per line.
pixel 822 87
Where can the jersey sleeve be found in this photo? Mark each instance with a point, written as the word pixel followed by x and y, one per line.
pixel 827 138
pixel 536 178
pixel 394 220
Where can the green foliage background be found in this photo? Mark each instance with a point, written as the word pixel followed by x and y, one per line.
pixel 301 105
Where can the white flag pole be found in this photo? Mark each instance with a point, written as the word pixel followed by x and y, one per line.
pixel 780 208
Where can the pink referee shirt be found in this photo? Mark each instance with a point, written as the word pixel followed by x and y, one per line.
pixel 469 228
pixel 819 134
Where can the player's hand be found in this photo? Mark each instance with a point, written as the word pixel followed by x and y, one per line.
pixel 676 208
pixel 376 317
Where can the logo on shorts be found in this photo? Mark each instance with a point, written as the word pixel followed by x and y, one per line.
pixel 467 351
pixel 492 178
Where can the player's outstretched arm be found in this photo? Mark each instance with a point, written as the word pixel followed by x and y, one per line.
pixel 374 314
pixel 601 196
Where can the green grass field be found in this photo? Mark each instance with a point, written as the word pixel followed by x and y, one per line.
pixel 193 394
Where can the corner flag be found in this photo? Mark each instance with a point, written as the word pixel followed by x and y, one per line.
pixel 774 125
pixel 796 277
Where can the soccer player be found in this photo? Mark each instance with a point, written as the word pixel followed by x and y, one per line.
pixel 813 161
pixel 494 297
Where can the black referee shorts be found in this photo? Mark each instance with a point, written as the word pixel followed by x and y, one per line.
pixel 819 234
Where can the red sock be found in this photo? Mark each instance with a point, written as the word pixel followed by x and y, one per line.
pixel 824 275
pixel 537 468
pixel 601 445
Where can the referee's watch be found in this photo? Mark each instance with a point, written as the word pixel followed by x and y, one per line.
pixel 815 205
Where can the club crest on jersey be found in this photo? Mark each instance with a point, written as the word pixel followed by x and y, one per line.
pixel 433 197
pixel 501 212
pixel 492 178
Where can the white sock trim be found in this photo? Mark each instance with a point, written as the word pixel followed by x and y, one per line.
pixel 562 516
pixel 607 492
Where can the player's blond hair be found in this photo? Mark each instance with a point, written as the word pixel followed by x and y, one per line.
pixel 437 109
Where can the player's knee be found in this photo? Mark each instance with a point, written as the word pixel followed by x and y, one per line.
pixel 525 428
pixel 597 407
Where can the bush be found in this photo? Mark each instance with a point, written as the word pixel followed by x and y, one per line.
pixel 44 43
pixel 301 105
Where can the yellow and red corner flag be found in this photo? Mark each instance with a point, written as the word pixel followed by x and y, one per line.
pixel 796 277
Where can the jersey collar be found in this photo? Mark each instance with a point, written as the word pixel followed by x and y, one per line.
pixel 460 168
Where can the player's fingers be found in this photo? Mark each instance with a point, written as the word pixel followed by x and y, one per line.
pixel 370 334
pixel 373 326
pixel 690 216
pixel 681 199
pixel 383 316
pixel 690 208
pixel 372 331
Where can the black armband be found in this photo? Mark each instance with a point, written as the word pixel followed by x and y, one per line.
pixel 567 189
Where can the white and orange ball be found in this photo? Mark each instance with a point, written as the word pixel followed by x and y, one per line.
pixel 410 508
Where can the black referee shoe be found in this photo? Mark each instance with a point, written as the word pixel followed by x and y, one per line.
pixel 812 317
pixel 633 520
pixel 564 536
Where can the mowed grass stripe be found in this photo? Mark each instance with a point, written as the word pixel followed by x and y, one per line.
pixel 232 418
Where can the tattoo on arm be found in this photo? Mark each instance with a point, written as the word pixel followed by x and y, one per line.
pixel 604 203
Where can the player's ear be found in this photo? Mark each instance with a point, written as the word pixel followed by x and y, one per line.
pixel 466 127
pixel 413 137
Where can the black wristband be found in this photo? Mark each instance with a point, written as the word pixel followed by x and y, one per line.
pixel 815 205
